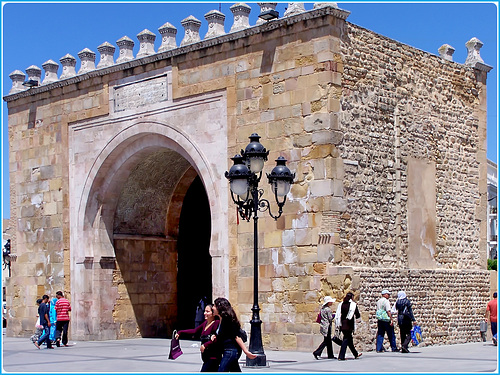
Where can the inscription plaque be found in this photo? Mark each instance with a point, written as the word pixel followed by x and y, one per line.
pixel 140 93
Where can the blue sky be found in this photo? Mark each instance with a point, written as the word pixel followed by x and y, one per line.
pixel 35 32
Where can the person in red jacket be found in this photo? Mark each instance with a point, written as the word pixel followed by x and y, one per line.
pixel 62 309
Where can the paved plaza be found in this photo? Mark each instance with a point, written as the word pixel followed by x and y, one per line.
pixel 151 355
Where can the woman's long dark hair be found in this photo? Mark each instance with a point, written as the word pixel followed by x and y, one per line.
pixel 226 310
pixel 348 297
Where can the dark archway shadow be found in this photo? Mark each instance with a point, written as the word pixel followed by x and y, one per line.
pixel 194 277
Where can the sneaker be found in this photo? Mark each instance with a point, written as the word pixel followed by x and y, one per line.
pixel 36 344
pixel 316 356
pixel 404 350
pixel 396 350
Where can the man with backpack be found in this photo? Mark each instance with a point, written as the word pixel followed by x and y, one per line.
pixel 385 323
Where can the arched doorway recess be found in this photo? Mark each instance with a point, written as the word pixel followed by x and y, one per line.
pixel 125 216
pixel 160 248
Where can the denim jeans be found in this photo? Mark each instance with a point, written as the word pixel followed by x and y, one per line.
pixel 493 328
pixel 45 336
pixel 384 327
pixel 229 361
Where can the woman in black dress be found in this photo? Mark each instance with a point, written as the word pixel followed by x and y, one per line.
pixel 347 312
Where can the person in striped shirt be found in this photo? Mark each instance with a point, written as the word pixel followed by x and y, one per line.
pixel 62 309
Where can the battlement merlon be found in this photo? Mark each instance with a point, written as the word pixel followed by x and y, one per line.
pixel 474 59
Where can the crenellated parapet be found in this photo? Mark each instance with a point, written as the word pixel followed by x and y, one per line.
pixel 168 34
pixel 191 30
pixel 68 63
pixel 17 78
pixel 446 52
pixel 50 68
pixel 87 61
pixel 216 33
pixel 474 59
pixel 241 14
pixel 294 9
pixel 215 21
pixel 107 51
pixel 34 74
pixel 126 46
pixel 147 43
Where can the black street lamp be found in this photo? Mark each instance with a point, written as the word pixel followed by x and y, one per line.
pixel 244 177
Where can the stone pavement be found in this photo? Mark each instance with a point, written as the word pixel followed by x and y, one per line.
pixel 150 355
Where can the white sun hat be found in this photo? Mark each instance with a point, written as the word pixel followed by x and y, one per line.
pixel 328 299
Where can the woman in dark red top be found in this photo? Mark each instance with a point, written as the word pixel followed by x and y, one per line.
pixel 209 356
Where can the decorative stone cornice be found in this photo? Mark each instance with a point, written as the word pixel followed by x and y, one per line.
pixel 87 58
pixel 17 78
pixel 215 21
pixel 446 52
pixel 132 63
pixel 50 68
pixel 147 43
pixel 126 46
pixel 241 13
pixel 191 30
pixel 482 67
pixel 107 50
pixel 168 33
pixel 68 63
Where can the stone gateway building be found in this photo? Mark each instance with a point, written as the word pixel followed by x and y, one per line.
pixel 119 198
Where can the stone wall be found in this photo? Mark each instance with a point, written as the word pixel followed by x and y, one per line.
pixel 402 104
pixel 448 305
pixel 38 139
pixel 146 278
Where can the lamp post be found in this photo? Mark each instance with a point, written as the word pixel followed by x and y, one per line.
pixel 244 177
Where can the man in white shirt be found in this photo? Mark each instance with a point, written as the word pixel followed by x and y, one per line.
pixel 385 323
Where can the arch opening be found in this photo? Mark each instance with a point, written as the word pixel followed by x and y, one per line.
pixel 161 194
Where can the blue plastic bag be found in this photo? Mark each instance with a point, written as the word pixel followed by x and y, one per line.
pixel 416 335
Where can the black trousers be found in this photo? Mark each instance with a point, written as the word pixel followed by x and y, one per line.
pixel 405 333
pixel 347 342
pixel 62 326
pixel 327 342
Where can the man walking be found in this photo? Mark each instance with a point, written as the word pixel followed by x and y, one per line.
pixel 43 313
pixel 385 323
pixel 62 310
pixel 491 310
